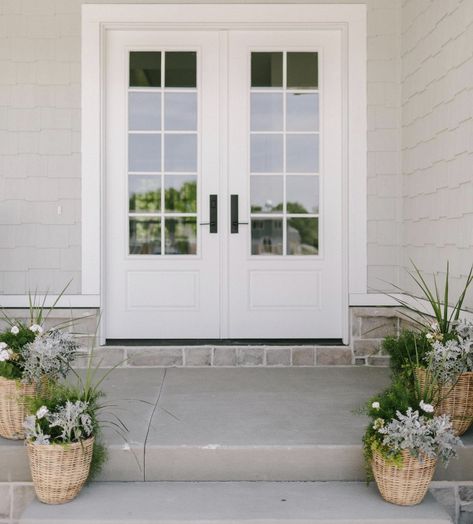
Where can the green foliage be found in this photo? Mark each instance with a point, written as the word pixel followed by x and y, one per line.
pixel 439 301
pixel 16 342
pixel 407 351
pixel 10 371
pixel 99 457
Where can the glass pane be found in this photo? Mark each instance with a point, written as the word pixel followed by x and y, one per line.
pixel 266 236
pixel 266 69
pixel 302 70
pixel 180 111
pixel 180 69
pixel 302 112
pixel 145 236
pixel 180 193
pixel 302 236
pixel 145 69
pixel 266 153
pixel 144 193
pixel 302 194
pixel 144 111
pixel 180 153
pixel 144 152
pixel 267 194
pixel 181 236
pixel 266 112
pixel 302 153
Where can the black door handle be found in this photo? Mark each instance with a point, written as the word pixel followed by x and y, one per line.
pixel 234 213
pixel 213 215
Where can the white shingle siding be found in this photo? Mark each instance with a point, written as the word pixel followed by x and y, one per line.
pixel 437 135
pixel 40 139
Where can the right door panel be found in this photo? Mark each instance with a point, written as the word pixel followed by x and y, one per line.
pixel 285 165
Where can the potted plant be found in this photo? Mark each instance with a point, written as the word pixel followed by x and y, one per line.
pixel 440 352
pixel 403 443
pixel 29 357
pixel 60 438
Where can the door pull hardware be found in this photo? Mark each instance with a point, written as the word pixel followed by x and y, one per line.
pixel 234 220
pixel 213 215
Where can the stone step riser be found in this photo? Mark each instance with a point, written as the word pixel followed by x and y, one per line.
pixel 221 463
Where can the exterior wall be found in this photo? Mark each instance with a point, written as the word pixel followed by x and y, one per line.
pixel 437 137
pixel 40 143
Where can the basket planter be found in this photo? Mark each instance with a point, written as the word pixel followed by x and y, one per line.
pixel 455 401
pixel 405 485
pixel 12 407
pixel 59 471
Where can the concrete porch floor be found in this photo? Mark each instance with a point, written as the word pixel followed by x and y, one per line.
pixel 237 424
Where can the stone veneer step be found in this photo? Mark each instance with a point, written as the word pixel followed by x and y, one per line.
pixel 233 503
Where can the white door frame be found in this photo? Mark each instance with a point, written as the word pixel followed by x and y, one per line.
pixel 350 20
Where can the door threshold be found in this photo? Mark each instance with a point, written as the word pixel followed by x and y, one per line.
pixel 224 342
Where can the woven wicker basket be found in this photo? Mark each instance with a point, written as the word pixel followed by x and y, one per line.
pixel 456 401
pixel 12 407
pixel 406 485
pixel 59 472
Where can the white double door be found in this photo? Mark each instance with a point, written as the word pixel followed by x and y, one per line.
pixel 223 192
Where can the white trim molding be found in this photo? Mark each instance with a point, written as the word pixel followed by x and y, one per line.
pixel 66 301
pixel 350 19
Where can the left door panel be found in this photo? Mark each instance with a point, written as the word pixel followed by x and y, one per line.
pixel 162 157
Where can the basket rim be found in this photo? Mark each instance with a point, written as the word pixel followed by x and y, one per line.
pixel 65 445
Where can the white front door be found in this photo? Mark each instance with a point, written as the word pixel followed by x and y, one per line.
pixel 223 185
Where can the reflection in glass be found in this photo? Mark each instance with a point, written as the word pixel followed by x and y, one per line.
pixel 180 69
pixel 302 112
pixel 180 236
pixel 145 69
pixel 266 194
pixel 180 193
pixel 302 153
pixel 145 236
pixel 266 112
pixel 144 193
pixel 266 153
pixel 302 70
pixel 180 111
pixel 144 111
pixel 144 152
pixel 302 236
pixel 180 153
pixel 266 236
pixel 302 194
pixel 266 69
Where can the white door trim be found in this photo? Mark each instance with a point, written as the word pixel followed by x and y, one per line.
pixel 350 20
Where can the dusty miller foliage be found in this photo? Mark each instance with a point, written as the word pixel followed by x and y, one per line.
pixel 421 436
pixel 447 360
pixel 50 354
pixel 71 421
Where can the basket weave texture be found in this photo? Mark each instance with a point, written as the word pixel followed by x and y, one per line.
pixel 59 472
pixel 455 401
pixel 12 407
pixel 406 485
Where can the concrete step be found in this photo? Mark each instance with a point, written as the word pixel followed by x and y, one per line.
pixel 238 424
pixel 233 503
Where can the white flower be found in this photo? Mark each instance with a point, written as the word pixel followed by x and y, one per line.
pixel 14 330
pixel 429 336
pixel 375 405
pixel 378 424
pixel 36 328
pixel 42 411
pixel 3 345
pixel 428 408
pixel 4 355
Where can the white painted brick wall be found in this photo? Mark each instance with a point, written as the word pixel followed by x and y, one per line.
pixel 437 136
pixel 40 142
